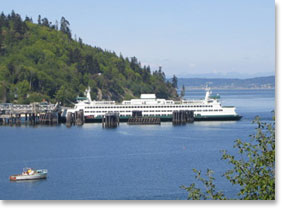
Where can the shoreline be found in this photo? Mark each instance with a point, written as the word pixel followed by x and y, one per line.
pixel 225 88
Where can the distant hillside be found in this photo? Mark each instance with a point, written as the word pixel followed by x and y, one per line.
pixel 257 82
pixel 43 62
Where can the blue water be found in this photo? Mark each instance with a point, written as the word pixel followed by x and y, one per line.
pixel 129 162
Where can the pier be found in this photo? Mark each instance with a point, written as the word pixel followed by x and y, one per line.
pixel 35 113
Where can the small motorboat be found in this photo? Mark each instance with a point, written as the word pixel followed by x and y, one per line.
pixel 30 174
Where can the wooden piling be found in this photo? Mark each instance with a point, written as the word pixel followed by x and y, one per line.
pixel 182 117
pixel 110 120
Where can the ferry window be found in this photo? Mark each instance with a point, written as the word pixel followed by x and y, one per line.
pixel 220 110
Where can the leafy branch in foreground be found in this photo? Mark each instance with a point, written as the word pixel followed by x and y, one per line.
pixel 253 170
pixel 210 193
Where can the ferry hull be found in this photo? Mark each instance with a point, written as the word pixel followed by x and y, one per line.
pixel 27 177
pixel 218 118
pixel 169 118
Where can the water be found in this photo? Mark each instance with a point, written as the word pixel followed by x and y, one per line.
pixel 129 162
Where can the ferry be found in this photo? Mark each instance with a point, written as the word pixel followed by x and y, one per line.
pixel 208 108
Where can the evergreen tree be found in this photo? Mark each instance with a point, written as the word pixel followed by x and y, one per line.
pixel 45 22
pixel 80 42
pixel 174 81
pixel 64 27
pixel 182 94
pixel 39 20
pixel 56 25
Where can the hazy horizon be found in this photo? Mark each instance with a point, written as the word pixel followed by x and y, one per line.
pixel 216 38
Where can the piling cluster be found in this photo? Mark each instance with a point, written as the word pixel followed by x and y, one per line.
pixel 182 117
pixel 76 118
pixel 110 120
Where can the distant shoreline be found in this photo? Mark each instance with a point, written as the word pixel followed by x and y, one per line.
pixel 227 88
pixel 257 83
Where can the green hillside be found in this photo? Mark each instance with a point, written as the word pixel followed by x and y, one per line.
pixel 42 62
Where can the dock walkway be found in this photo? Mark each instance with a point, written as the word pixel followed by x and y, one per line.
pixel 35 113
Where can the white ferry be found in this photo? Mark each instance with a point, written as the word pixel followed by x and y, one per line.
pixel 208 108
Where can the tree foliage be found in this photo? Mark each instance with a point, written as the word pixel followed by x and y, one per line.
pixel 42 61
pixel 253 171
pixel 182 94
pixel 174 81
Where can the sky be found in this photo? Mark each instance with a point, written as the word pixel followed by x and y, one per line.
pixel 203 38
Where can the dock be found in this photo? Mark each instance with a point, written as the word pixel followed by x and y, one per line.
pixel 35 113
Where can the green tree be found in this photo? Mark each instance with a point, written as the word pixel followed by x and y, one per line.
pixel 64 27
pixel 39 20
pixel 174 81
pixel 182 94
pixel 22 88
pixel 253 170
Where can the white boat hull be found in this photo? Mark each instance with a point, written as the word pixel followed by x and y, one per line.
pixel 42 175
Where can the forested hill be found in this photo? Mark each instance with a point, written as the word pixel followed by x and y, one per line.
pixel 41 61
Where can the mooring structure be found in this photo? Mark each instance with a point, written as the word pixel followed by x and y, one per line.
pixel 182 117
pixel 35 113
